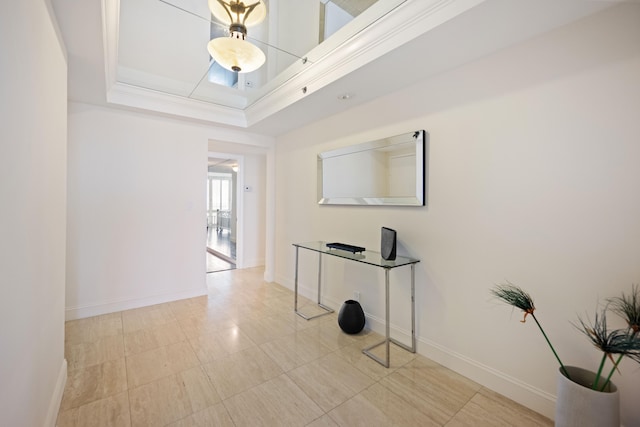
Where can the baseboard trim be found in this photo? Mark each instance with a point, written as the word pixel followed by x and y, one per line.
pixel 533 398
pixel 80 312
pixel 56 398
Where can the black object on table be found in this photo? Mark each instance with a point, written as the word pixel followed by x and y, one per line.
pixel 346 247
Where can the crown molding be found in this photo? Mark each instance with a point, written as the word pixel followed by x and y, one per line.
pixel 147 99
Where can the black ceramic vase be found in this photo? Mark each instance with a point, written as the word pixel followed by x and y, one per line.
pixel 351 317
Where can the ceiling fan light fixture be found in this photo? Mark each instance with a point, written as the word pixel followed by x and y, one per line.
pixel 237 12
pixel 235 53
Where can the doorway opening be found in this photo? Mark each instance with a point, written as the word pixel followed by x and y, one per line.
pixel 222 182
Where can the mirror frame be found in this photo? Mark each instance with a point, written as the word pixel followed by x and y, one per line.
pixel 419 199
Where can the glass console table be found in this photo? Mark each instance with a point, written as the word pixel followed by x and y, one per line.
pixel 376 260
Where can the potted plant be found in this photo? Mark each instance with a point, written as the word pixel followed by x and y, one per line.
pixel 587 398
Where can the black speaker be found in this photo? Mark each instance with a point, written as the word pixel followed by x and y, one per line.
pixel 388 243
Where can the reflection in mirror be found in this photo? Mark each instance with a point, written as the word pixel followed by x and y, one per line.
pixel 388 171
pixel 162 44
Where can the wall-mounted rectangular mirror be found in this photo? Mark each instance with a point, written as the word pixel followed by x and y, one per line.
pixel 388 171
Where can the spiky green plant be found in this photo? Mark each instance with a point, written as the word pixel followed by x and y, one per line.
pixel 621 342
pixel 608 342
pixel 628 308
pixel 517 297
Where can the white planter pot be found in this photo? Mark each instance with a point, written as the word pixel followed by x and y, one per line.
pixel 580 406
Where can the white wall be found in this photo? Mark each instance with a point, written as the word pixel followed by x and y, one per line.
pixel 136 213
pixel 254 206
pixel 33 110
pixel 533 178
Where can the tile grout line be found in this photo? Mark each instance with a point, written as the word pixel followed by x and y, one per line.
pixel 462 407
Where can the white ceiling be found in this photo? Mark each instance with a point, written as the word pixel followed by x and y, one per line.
pixel 393 44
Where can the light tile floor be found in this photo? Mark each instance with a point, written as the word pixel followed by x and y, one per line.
pixel 241 357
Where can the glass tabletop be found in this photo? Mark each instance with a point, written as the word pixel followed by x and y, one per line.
pixel 366 257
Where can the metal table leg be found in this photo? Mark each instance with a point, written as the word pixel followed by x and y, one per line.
pixel 328 310
pixel 295 286
pixel 388 339
pixel 411 348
